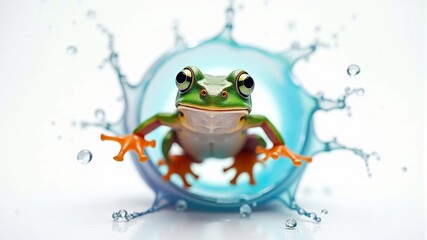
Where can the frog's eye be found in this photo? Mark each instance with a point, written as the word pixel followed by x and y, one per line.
pixel 184 79
pixel 245 84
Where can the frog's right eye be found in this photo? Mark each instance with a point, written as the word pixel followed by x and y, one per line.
pixel 184 79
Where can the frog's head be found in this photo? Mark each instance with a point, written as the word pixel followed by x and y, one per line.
pixel 214 93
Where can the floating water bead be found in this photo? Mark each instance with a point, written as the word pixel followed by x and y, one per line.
pixel 71 50
pixel 181 206
pixel 324 211
pixel 353 70
pixel 91 14
pixel 84 157
pixel 245 211
pixel 100 114
pixel 290 223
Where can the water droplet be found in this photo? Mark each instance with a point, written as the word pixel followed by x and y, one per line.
pixel 291 223
pixel 254 204
pixel 71 50
pixel 317 219
pixel 324 211
pixel 91 14
pixel 181 206
pixel 84 157
pixel 404 169
pixel 353 70
pixel 123 214
pixel 295 45
pixel 115 216
pixel 291 25
pixel 245 211
pixel 360 91
pixel 312 215
pixel 100 114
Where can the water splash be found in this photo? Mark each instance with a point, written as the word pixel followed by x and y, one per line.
pixel 290 103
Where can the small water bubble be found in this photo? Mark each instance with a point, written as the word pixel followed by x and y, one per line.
pixel 295 45
pixel 324 211
pixel 181 205
pixel 360 91
pixel 115 216
pixel 291 223
pixel 404 169
pixel 84 157
pixel 245 211
pixel 312 215
pixel 291 25
pixel 353 70
pixel 100 114
pixel 254 204
pixel 71 50
pixel 123 213
pixel 347 90
pixel 326 190
pixel 91 14
pixel 317 219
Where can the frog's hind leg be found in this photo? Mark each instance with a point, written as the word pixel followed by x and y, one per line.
pixel 177 164
pixel 246 159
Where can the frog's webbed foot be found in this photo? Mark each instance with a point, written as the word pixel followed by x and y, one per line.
pixel 282 150
pixel 244 163
pixel 130 142
pixel 180 165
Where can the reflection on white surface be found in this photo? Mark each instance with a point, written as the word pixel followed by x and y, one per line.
pixel 73 217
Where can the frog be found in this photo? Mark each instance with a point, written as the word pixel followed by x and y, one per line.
pixel 211 120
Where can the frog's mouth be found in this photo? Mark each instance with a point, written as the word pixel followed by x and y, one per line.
pixel 211 120
pixel 212 109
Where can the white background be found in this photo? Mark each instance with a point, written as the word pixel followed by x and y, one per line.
pixel 46 194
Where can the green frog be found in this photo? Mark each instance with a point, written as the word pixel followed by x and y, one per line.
pixel 212 121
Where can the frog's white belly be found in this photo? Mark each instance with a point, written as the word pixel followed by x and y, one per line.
pixel 207 134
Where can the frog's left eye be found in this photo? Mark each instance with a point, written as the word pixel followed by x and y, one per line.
pixel 184 79
pixel 245 84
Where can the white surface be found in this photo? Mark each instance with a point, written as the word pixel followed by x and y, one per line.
pixel 46 194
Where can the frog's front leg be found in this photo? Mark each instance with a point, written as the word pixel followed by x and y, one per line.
pixel 279 148
pixel 130 142
pixel 177 164
pixel 136 141
pixel 246 159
